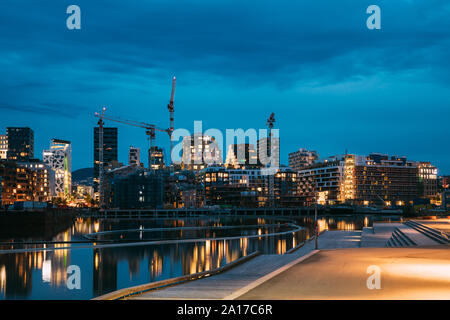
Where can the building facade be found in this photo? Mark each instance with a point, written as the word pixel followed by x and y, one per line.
pixel 144 189
pixel 59 159
pixel 134 156
pixel 17 183
pixel 250 187
pixel 375 179
pixel 200 151
pixel 269 152
pixel 20 143
pixel 43 180
pixel 110 147
pixel 302 158
pixel 156 158
pixel 242 155
pixel 3 146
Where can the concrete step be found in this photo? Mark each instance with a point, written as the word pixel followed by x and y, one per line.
pixel 407 242
pixel 428 232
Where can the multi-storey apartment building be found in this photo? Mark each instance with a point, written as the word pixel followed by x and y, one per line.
pixel 326 177
pixel 375 179
pixel 17 183
pixel 156 158
pixel 242 155
pixel 134 156
pixel 269 152
pixel 428 179
pixel 200 151
pixel 20 143
pixel 302 158
pixel 43 179
pixel 3 146
pixel 249 187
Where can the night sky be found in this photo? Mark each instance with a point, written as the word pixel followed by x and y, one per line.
pixel 333 84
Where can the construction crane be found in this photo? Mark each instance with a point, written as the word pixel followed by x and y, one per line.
pixel 100 156
pixel 171 112
pixel 270 123
pixel 150 131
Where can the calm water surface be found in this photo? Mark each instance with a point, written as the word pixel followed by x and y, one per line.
pixel 36 268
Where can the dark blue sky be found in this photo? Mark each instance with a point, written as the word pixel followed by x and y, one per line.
pixel 332 83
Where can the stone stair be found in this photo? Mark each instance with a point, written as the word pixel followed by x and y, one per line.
pixel 431 233
pixel 399 239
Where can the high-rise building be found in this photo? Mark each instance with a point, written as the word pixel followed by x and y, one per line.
pixel 59 159
pixel 110 146
pixel 302 158
pixel 242 155
pixel 200 151
pixel 3 146
pixel 269 152
pixel 156 158
pixel 20 143
pixel 134 156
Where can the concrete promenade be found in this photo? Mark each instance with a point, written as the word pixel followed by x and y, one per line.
pixel 337 271
pixel 406 273
pixel 223 285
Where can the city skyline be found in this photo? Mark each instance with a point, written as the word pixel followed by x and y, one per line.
pixel 333 86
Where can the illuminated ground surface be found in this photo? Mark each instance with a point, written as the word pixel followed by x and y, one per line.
pixel 406 273
pixel 439 224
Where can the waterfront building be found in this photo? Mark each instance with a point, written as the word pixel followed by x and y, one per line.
pixel 327 176
pixel 242 155
pixel 134 156
pixel 156 158
pixel 269 152
pixel 110 147
pixel 59 159
pixel 139 190
pixel 17 183
pixel 428 180
pixel 3 146
pixel 250 187
pixel 200 151
pixel 43 180
pixel 20 143
pixel 375 179
pixel 181 189
pixel 302 158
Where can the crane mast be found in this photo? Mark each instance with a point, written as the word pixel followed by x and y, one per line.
pixel 270 123
pixel 171 112
pixel 100 158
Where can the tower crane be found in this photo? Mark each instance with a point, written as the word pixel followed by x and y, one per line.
pixel 171 112
pixel 150 131
pixel 271 177
pixel 100 157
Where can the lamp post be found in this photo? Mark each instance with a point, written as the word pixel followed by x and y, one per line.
pixel 316 227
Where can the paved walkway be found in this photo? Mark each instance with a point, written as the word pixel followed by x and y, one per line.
pixel 406 273
pixel 438 224
pixel 378 235
pixel 223 285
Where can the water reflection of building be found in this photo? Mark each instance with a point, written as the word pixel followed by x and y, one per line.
pixel 105 271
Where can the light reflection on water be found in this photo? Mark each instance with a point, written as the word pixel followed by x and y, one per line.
pixel 43 274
